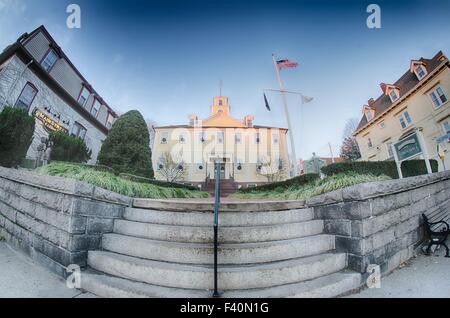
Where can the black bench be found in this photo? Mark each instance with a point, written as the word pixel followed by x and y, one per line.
pixel 436 233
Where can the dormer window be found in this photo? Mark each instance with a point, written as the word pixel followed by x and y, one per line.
pixel 420 72
pixel 393 95
pixel 418 68
pixel 369 112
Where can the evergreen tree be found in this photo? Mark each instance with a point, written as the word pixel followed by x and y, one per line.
pixel 350 150
pixel 16 135
pixel 126 149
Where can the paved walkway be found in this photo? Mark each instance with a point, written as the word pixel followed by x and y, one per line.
pixel 20 277
pixel 422 277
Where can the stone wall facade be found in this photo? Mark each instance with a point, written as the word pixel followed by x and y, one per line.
pixel 380 222
pixel 55 220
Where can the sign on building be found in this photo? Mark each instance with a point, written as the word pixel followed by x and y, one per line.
pixel 49 123
pixel 409 147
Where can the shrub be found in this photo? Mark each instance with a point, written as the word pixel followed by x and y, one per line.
pixel 157 182
pixel 68 148
pixel 112 182
pixel 294 182
pixel 377 168
pixel 126 149
pixel 16 135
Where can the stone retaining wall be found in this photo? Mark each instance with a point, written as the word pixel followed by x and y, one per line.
pixel 380 222
pixel 55 220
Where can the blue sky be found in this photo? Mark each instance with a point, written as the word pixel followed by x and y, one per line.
pixel 166 58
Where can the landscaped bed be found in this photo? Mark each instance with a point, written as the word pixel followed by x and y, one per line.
pixel 109 181
pixel 311 188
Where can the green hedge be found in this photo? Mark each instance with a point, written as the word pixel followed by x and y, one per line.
pixel 410 168
pixel 157 182
pixel 68 148
pixel 16 135
pixel 297 181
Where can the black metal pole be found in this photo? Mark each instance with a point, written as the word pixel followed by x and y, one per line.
pixel 216 222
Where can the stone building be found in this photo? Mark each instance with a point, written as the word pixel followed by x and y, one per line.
pixel 419 100
pixel 36 75
pixel 249 154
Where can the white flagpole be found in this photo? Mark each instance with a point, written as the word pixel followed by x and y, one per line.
pixel 288 119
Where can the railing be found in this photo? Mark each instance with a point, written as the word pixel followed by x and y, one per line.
pixel 216 223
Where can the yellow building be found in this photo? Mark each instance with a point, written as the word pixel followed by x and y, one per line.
pixel 248 154
pixel 419 100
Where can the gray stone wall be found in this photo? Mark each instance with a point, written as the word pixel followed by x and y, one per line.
pixel 380 223
pixel 55 220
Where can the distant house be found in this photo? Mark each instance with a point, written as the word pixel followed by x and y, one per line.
pixel 36 75
pixel 418 100
pixel 314 164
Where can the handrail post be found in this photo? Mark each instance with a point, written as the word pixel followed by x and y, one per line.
pixel 216 221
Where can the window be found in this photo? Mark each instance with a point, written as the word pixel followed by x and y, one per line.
pixel 420 72
pixel 369 115
pixel 84 95
pixel 405 119
pixel 95 108
pixel 275 138
pixel 393 95
pixel 49 60
pixel 109 121
pixel 389 149
pixel 238 138
pixel 257 138
pixel 202 137
pixel 220 137
pixel 26 97
pixel 438 97
pixel 446 126
pixel 369 143
pixel 382 125
pixel 164 137
pixel 78 130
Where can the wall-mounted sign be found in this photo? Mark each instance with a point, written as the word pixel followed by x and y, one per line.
pixel 49 123
pixel 408 147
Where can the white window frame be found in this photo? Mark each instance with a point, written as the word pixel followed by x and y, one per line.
pixel 220 137
pixel 394 98
pixel 164 138
pixel 416 71
pixel 26 104
pixel 446 123
pixel 389 149
pixel 78 130
pixel 369 115
pixel 402 118
pixel 109 121
pixel 83 90
pixel 95 110
pixel 438 97
pixel 48 67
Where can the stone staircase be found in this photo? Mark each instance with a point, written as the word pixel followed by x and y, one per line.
pixel 154 253
pixel 227 187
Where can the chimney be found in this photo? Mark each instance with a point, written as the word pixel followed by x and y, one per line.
pixel 370 102
pixel 383 87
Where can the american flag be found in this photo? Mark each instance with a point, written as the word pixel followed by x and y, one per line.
pixel 286 63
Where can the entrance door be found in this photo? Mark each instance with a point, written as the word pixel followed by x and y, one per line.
pixel 222 171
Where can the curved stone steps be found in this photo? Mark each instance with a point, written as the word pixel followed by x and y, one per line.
pixel 195 253
pixel 332 285
pixel 206 218
pixel 203 234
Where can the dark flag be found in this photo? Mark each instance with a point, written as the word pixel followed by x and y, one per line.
pixel 267 102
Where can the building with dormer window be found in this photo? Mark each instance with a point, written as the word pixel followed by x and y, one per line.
pixel 418 100
pixel 249 154
pixel 37 76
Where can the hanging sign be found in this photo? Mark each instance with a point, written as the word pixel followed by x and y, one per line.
pixel 408 147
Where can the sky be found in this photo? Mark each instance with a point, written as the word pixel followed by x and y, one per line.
pixel 167 58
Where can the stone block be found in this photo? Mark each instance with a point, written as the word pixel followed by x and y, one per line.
pixel 84 243
pixel 326 198
pixel 87 207
pixel 63 221
pixel 99 226
pixel 105 195
pixel 339 227
pixel 353 210
pixel 350 245
pixel 8 212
